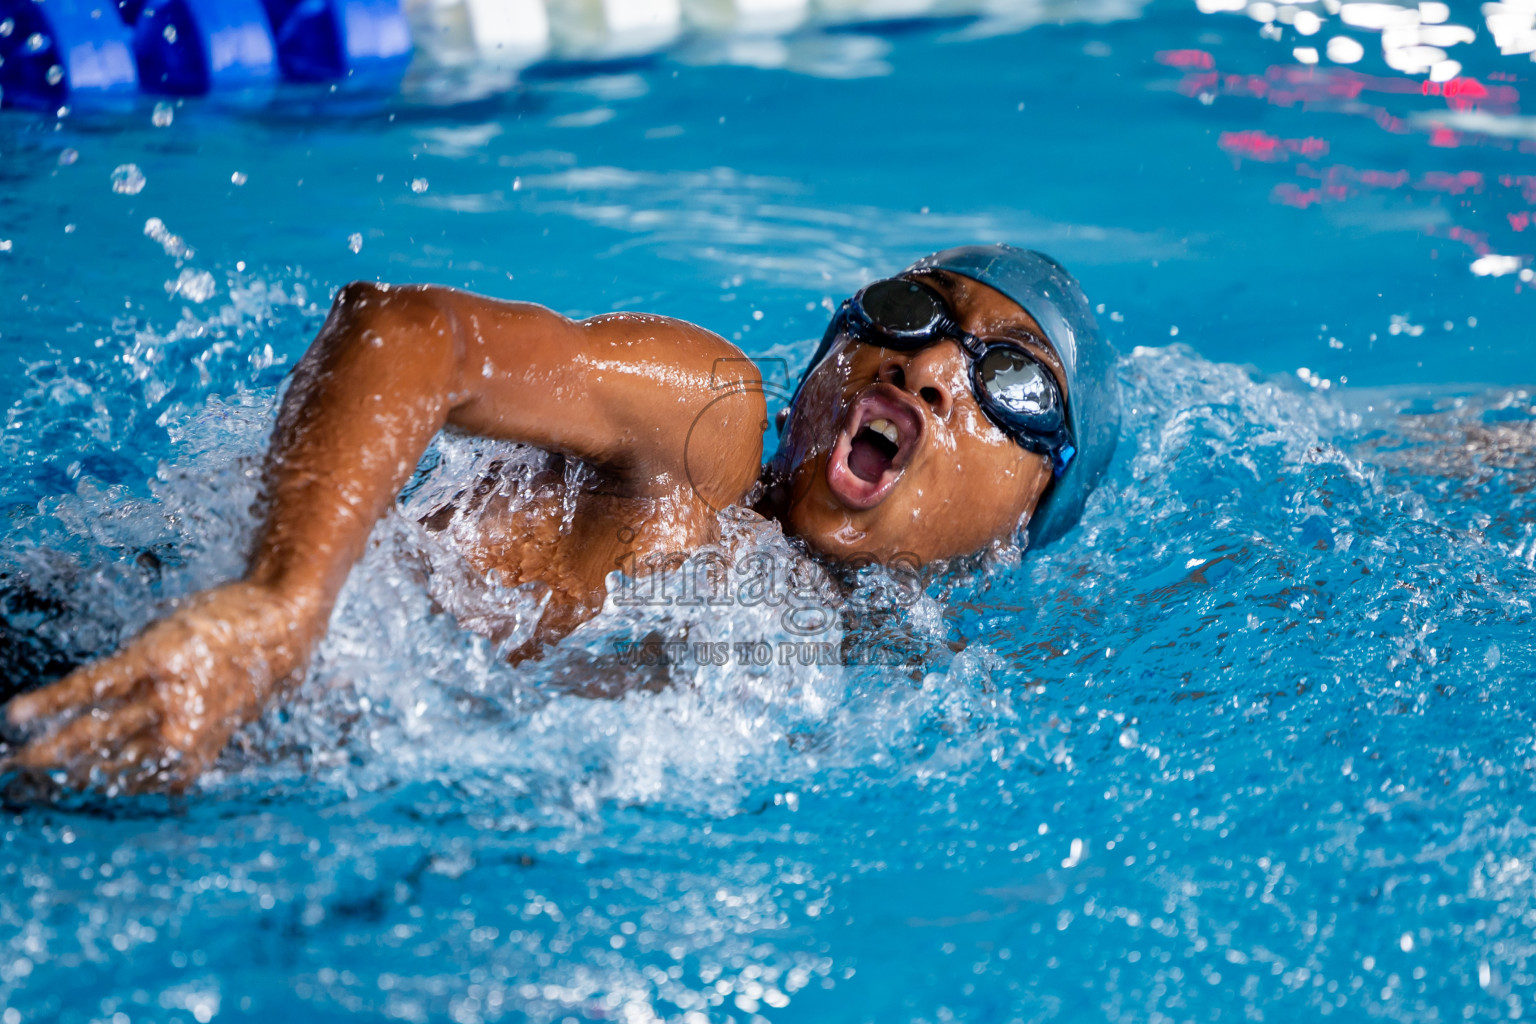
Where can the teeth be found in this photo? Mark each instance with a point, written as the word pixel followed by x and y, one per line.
pixel 885 428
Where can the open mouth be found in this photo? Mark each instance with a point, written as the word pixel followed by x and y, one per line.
pixel 880 434
pixel 873 450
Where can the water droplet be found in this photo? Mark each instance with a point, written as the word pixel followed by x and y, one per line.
pixel 5 245
pixel 164 114
pixel 36 42
pixel 419 185
pixel 1128 738
pixel 128 180
pixel 170 34
pixel 55 75
pixel 68 157
pixel 196 285
pixel 7 27
pixel 355 242
pixel 1075 855
pixel 172 244
pixel 239 178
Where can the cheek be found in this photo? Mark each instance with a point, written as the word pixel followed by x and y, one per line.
pixel 1024 475
pixel 982 489
pixel 818 411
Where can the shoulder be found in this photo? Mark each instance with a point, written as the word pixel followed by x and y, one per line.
pixel 687 343
pixel 709 411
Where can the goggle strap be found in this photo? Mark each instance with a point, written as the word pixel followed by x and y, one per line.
pixel 1061 457
pixel 821 350
pixel 974 347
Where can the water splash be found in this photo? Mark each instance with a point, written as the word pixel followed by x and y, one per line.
pixel 1276 585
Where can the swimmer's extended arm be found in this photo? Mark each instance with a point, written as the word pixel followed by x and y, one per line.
pixel 621 392
pixel 388 370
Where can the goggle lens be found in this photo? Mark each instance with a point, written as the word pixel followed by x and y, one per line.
pixel 902 307
pixel 1019 385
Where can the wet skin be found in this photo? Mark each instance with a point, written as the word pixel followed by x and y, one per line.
pixel 956 482
pixel 629 396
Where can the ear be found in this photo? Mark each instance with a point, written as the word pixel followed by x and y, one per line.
pixel 781 419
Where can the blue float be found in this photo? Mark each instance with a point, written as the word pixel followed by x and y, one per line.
pixel 326 40
pixel 55 53
pixel 190 47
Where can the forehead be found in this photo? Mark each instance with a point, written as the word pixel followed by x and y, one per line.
pixel 979 308
pixel 988 313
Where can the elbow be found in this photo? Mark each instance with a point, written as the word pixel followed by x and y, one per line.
pixel 406 328
pixel 369 300
pixel 382 315
pixel 358 309
pixel 358 295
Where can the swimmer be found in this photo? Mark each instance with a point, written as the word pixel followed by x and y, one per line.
pixel 946 409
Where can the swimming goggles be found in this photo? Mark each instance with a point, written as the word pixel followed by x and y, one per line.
pixel 1015 390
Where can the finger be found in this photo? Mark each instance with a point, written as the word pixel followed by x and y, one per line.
pixel 104 680
pixel 181 759
pixel 138 766
pixel 92 736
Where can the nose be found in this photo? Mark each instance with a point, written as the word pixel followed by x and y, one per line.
pixel 933 374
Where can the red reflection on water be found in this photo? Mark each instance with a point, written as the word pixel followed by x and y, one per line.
pixel 1526 183
pixel 1477 241
pixel 1291 84
pixel 1185 58
pixel 1444 137
pixel 1257 145
pixel 1348 92
pixel 1294 195
pixel 1455 184
pixel 1338 182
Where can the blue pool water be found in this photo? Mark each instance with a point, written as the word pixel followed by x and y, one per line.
pixel 1256 743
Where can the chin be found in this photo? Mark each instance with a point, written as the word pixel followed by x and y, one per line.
pixel 851 536
pixel 840 534
pixel 904 524
pixel 838 546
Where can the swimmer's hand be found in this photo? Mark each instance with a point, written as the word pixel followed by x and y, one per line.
pixel 157 713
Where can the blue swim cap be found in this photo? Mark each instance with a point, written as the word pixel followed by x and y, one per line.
pixel 1054 298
